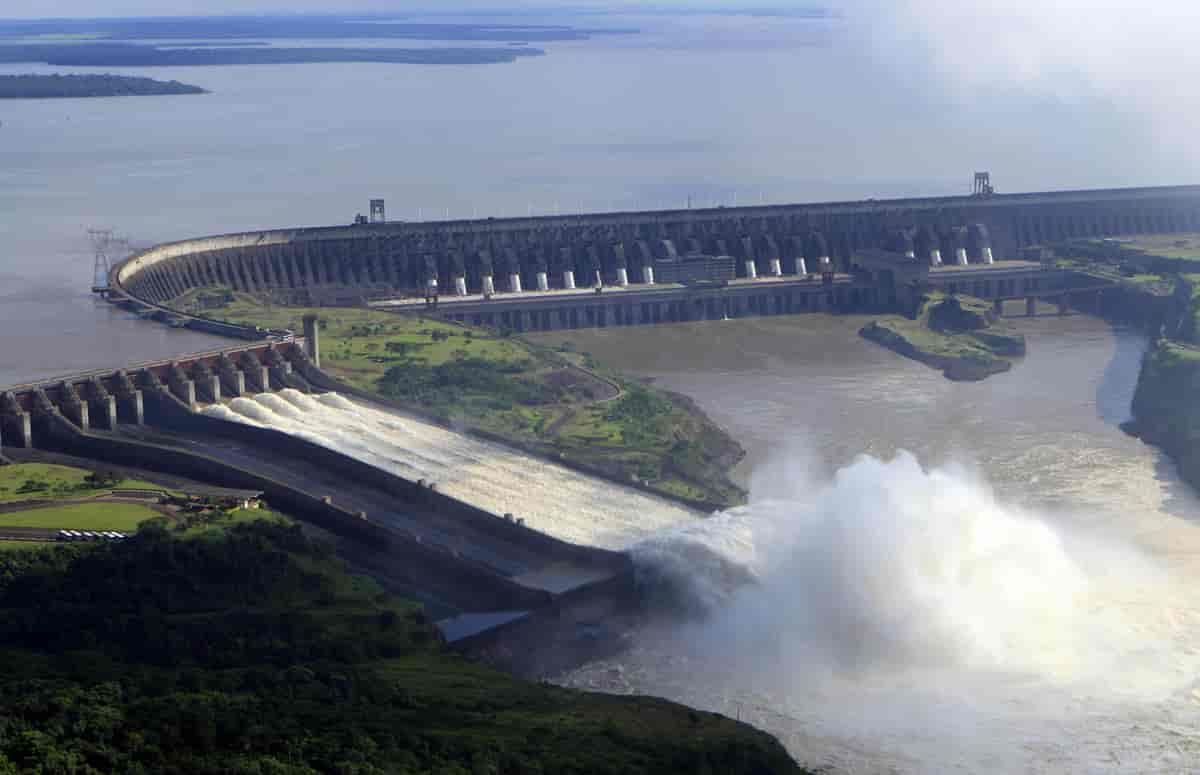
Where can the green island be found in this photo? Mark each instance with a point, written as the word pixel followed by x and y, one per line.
pixel 252 650
pixel 18 87
pixel 553 402
pixel 960 335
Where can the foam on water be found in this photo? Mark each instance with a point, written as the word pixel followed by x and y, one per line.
pixel 905 619
pixel 550 498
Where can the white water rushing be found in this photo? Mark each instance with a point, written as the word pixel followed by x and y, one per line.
pixel 550 498
pixel 909 620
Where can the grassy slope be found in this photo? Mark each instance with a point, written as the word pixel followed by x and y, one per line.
pixel 251 650
pixel 687 455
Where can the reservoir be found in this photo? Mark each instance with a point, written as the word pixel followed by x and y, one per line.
pixel 709 109
pixel 1018 595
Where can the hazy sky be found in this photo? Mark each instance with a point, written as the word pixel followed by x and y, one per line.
pixel 93 8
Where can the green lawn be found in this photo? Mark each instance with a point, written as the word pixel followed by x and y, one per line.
pixel 54 482
pixel 82 516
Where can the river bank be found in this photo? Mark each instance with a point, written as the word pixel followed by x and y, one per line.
pixel 1157 290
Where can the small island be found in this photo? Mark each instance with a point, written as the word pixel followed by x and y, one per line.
pixel 958 334
pixel 18 87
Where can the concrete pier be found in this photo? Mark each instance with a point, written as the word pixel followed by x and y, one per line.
pixel 312 339
pixel 460 286
pixel 543 284
pixel 208 384
pixel 16 428
pixel 183 388
pixel 130 407
pixel 73 407
pixel 233 381
pixel 258 377
pixel 569 280
pixel 488 285
pixel 514 282
pixel 101 404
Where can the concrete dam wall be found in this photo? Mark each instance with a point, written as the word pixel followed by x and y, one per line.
pixel 350 263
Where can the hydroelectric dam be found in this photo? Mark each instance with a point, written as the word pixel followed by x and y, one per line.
pixel 499 544
pixel 646 267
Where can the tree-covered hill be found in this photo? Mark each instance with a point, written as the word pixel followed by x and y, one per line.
pixel 251 650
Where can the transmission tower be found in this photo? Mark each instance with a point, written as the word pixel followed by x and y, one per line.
pixel 101 240
pixel 107 248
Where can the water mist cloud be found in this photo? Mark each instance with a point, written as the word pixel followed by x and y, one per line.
pixel 1134 61
pixel 886 567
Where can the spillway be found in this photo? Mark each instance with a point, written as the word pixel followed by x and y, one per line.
pixel 555 500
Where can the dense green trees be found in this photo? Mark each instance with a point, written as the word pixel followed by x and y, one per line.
pixel 252 651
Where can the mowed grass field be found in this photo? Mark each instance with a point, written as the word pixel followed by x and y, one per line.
pixel 59 481
pixel 82 516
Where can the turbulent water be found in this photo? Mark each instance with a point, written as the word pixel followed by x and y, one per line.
pixel 555 500
pixel 1019 593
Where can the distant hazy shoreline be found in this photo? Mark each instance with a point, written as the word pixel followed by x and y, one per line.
pixel 17 87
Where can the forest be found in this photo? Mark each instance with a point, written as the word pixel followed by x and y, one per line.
pixel 253 650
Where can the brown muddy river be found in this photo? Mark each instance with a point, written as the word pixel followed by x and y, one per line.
pixel 1018 591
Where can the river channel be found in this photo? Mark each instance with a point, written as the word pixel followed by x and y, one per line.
pixel 1017 592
